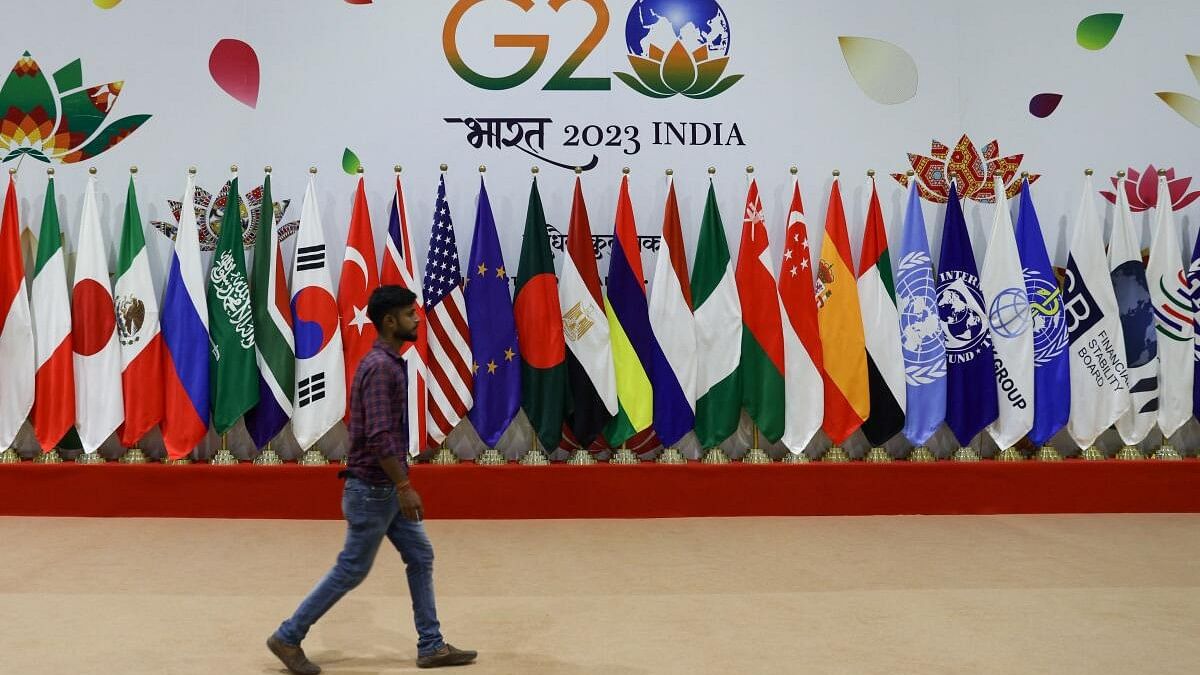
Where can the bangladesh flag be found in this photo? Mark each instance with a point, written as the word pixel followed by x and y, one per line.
pixel 540 330
pixel 232 366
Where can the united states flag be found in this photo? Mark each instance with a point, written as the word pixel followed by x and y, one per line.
pixel 449 362
pixel 399 268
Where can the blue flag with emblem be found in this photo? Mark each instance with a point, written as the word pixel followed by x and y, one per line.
pixel 496 359
pixel 971 399
pixel 1051 361
pixel 920 329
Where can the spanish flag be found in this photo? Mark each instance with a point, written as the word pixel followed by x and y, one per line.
pixel 847 394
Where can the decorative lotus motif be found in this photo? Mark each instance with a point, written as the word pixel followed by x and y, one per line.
pixel 210 211
pixel 693 74
pixel 972 170
pixel 58 121
pixel 1142 189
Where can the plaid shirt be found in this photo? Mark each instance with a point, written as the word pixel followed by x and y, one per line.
pixel 378 418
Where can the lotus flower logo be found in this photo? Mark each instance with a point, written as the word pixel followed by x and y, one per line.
pixel 59 122
pixel 678 47
pixel 210 211
pixel 972 170
pixel 1142 189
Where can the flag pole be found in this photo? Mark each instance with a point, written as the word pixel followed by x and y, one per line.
pixel 920 453
pixel 714 455
pixel 534 456
pixel 670 455
pixel 133 455
pixel 836 453
pixel 224 457
pixel 444 455
pixel 93 457
pixel 790 457
pixel 877 454
pixel 623 455
pixel 490 456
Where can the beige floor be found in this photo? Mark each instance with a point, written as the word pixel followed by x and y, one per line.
pixel 921 595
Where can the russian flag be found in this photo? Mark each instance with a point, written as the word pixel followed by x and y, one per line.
pixel 185 334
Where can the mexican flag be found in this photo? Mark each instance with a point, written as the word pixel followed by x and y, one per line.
pixel 54 382
pixel 761 367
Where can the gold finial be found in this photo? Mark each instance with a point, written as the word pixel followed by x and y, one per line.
pixel 50 172
pixel 482 168
pixel 578 170
pixel 1120 174
pixel 1088 172
pixel 267 169
pixel 836 173
pixel 312 170
pixel 192 170
pixel 12 171
pixel 133 169
pixel 443 168
pixel 397 169
pixel 794 170
pixel 533 170
pixel 92 170
pixel 670 172
pixel 870 173
pixel 625 171
pixel 1162 172
pixel 359 171
pixel 910 173
pixel 233 168
pixel 712 170
pixel 750 169
pixel 1024 175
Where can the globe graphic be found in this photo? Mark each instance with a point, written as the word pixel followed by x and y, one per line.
pixel 920 327
pixel 695 23
pixel 1009 313
pixel 1137 312
pixel 1049 329
pixel 960 309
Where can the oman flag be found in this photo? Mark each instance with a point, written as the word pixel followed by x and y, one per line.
pixel 804 404
pixel 540 330
pixel 16 326
pixel 54 403
pixel 99 401
pixel 762 362
pixel 137 329
pixel 359 278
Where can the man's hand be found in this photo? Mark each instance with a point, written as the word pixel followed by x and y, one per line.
pixel 410 502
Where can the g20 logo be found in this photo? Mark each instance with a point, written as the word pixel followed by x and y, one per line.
pixel 674 47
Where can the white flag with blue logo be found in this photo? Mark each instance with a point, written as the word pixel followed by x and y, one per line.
pixel 1171 296
pixel 920 329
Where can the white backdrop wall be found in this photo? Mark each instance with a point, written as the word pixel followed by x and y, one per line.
pixel 376 79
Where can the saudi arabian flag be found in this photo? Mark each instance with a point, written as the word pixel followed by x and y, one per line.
pixel 232 367
pixel 718 331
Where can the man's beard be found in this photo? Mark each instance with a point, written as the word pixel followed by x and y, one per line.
pixel 408 337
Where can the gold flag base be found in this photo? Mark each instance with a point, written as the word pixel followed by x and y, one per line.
pixel 756 456
pixel 581 457
pixel 133 456
pixel 51 457
pixel 715 456
pixel 313 457
pixel 795 458
pixel 1091 454
pixel 182 461
pixel 1048 453
pixel 966 454
pixel 836 455
pixel 1130 453
pixel 444 455
pixel 223 458
pixel 921 454
pixel 1010 455
pixel 535 457
pixel 93 457
pixel 877 455
pixel 624 455
pixel 490 457
pixel 671 456
pixel 10 456
pixel 268 457
pixel 1167 453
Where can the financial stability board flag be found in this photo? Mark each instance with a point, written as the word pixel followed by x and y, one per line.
pixel 50 305
pixel 185 336
pixel 635 350
pixel 400 269
pixel 881 330
pixel 540 329
pixel 137 329
pixel 231 324
pixel 921 339
pixel 274 346
pixel 1011 328
pixel 591 378
pixel 359 278
pixel 718 313
pixel 1173 317
pixel 971 401
pixel 1051 363
pixel 762 362
pixel 99 403
pixel 843 344
pixel 450 374
pixel 670 309
pixel 804 399
pixel 497 358
pixel 1137 313
pixel 1099 391
pixel 319 391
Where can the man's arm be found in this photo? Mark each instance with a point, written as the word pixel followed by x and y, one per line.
pixel 383 440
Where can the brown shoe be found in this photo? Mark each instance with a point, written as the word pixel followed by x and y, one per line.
pixel 448 655
pixel 292 656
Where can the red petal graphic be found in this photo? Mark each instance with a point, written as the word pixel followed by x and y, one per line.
pixel 1187 199
pixel 234 67
pixel 1147 188
pixel 1177 187
pixel 1110 196
pixel 1043 105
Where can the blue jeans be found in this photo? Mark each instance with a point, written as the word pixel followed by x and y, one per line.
pixel 372 513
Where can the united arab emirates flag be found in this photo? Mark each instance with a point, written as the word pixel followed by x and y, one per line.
pixel 540 330
pixel 881 330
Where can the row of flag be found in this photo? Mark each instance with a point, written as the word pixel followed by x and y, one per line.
pixel 820 344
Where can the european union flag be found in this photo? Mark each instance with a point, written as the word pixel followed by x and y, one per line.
pixel 1051 360
pixel 497 361
pixel 971 402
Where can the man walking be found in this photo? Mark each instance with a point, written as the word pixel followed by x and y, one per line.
pixel 378 500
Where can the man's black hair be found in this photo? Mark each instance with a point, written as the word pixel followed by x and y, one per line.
pixel 385 299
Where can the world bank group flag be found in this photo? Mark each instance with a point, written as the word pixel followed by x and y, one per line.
pixel 921 339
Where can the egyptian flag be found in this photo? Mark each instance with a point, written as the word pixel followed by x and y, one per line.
pixel 881 329
pixel 540 330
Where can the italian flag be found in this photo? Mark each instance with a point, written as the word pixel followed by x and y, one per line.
pixel 54 381
pixel 761 367
pixel 137 329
